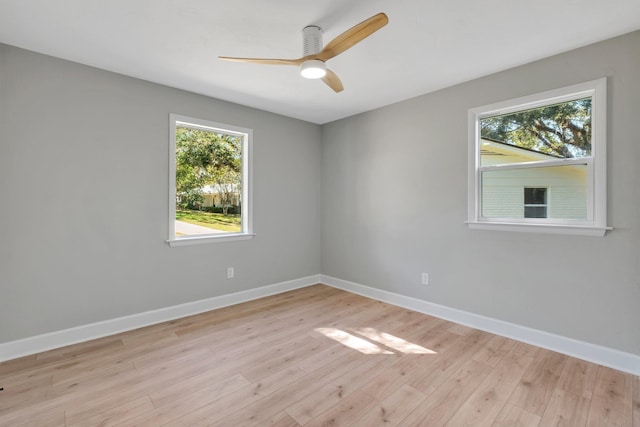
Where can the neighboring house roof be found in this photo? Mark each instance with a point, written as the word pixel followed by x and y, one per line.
pixel 494 147
pixel 220 188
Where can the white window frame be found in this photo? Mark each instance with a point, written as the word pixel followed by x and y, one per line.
pixel 596 222
pixel 247 184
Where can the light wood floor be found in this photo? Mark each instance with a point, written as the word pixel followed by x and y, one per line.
pixel 312 357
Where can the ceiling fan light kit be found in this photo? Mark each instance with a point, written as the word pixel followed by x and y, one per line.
pixel 313 69
pixel 313 62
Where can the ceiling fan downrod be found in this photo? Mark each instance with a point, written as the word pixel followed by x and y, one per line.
pixel 312 40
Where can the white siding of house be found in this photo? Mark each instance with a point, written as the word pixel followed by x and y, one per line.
pixel 503 191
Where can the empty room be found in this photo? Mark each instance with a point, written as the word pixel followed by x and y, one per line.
pixel 338 213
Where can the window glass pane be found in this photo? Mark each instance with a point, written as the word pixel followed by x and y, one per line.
pixel 565 194
pixel 208 182
pixel 535 211
pixel 535 196
pixel 550 132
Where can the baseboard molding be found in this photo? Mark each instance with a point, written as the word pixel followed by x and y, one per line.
pixel 37 344
pixel 612 358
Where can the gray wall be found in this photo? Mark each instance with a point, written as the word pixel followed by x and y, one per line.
pixel 84 196
pixel 395 201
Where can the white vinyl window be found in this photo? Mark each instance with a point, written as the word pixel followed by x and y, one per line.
pixel 209 181
pixel 552 144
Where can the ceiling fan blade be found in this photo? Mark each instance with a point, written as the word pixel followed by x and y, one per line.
pixel 333 81
pixel 352 36
pixel 266 61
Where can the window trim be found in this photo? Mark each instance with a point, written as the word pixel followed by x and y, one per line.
pixel 596 222
pixel 247 184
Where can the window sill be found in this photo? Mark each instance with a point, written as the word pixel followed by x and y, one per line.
pixel 575 230
pixel 199 240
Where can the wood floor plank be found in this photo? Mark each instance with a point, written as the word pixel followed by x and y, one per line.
pixel 437 341
pixel 288 396
pixel 258 411
pixel 636 401
pixel 449 362
pixel 513 416
pixel 537 385
pixel 566 409
pixel 400 373
pixel 460 329
pixel 375 312
pixel 76 350
pixel 578 377
pixel 445 400
pixel 20 392
pixel 324 356
pixel 104 413
pixel 524 349
pixel 168 354
pixel 486 402
pixel 101 368
pixel 132 385
pixel 34 417
pixel 168 410
pixel 611 404
pixel 247 349
pixel 313 405
pixel 494 351
pixel 393 409
pixel 292 353
pixel 18 365
pixel 350 409
pixel 308 408
pixel 239 399
pixel 316 356
pixel 209 379
pixel 281 420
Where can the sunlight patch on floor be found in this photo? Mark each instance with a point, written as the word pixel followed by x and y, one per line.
pixel 392 341
pixel 383 341
pixel 351 341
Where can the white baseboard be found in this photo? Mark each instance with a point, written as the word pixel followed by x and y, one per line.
pixel 616 359
pixel 39 343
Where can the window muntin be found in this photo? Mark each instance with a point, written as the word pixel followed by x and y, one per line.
pixel 209 181
pixel 553 140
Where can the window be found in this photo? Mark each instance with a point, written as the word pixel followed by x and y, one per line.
pixel 209 181
pixel 552 145
pixel 535 202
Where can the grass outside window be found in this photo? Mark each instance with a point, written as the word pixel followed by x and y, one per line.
pixel 215 221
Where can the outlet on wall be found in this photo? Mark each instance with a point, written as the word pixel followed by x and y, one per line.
pixel 425 278
pixel 230 273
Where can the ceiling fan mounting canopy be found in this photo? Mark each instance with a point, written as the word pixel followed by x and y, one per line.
pixel 313 62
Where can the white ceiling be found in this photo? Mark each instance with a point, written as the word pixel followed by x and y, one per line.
pixel 427 45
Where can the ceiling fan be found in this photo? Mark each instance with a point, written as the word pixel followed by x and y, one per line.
pixel 313 62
